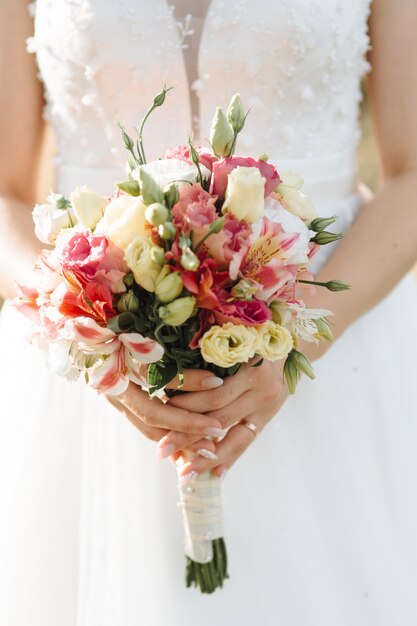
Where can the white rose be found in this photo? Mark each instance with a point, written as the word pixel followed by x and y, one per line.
pixel 88 207
pixel 123 220
pixel 50 221
pixel 245 194
pixel 138 256
pixel 166 171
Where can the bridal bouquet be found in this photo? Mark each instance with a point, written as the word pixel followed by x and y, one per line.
pixel 195 261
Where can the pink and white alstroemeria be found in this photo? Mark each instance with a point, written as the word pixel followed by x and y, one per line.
pixel 300 320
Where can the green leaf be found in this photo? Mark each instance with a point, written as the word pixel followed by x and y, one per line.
pixel 160 374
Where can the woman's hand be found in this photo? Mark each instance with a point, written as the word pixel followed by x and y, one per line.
pixel 254 393
pixel 154 419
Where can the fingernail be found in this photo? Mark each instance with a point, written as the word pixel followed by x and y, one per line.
pixel 211 382
pixel 189 476
pixel 215 432
pixel 207 454
pixel 164 451
pixel 222 476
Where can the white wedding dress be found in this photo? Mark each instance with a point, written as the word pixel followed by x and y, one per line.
pixel 321 511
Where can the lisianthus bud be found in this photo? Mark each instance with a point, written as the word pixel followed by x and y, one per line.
pixel 158 255
pixel 323 330
pixel 149 188
pixel 221 134
pixel 291 373
pixel 128 302
pixel 88 207
pixel 217 225
pixel 130 187
pixel 169 287
pixel 189 260
pixel 167 231
pixel 156 213
pixel 263 157
pixel 324 237
pixel 171 194
pixel 236 114
pixel 139 259
pixel 302 363
pixel 245 289
pixel 336 285
pixel 321 223
pixel 245 194
pixel 177 312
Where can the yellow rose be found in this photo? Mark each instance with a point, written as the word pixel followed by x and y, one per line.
pixel 88 206
pixel 123 220
pixel 274 341
pixel 138 256
pixel 245 194
pixel 228 344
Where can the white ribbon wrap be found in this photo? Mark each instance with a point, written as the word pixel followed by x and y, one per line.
pixel 201 503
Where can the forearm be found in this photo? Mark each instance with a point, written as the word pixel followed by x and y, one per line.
pixel 373 256
pixel 18 245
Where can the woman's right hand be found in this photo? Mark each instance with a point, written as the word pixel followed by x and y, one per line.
pixel 154 419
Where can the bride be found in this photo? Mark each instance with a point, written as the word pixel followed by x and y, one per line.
pixel 321 508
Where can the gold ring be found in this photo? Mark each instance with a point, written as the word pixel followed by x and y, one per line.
pixel 252 427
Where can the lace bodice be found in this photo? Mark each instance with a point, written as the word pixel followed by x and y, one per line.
pixel 296 63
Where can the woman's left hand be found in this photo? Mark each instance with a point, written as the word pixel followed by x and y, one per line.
pixel 254 394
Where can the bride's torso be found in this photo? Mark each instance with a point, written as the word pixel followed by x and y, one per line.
pixel 296 63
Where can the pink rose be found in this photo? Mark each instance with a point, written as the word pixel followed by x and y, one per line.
pixel 93 258
pixel 207 158
pixel 222 168
pixel 246 312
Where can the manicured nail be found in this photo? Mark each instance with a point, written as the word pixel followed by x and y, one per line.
pixel 164 451
pixel 189 476
pixel 215 432
pixel 223 473
pixel 207 454
pixel 211 382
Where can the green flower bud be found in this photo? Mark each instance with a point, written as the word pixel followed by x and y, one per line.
pixel 171 195
pixel 323 330
pixel 221 134
pixel 150 190
pixel 158 255
pixel 217 225
pixel 236 114
pixel 336 285
pixel 320 223
pixel 128 302
pixel 167 231
pixel 189 260
pixel 156 213
pixel 291 373
pixel 129 186
pixel 324 237
pixel 263 157
pixel 129 280
pixel 160 98
pixel 177 312
pixel 302 363
pixel 169 287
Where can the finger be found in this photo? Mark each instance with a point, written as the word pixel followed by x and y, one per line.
pixel 228 451
pixel 205 448
pixel 245 405
pixel 217 398
pixel 154 413
pixel 155 434
pixel 196 380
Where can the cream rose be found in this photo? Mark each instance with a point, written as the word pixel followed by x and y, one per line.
pixel 88 207
pixel 245 194
pixel 293 199
pixel 138 256
pixel 228 344
pixel 123 220
pixel 273 342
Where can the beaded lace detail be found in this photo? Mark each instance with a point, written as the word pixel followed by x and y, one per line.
pixel 296 63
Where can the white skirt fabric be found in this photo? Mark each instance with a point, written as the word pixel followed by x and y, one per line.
pixel 320 512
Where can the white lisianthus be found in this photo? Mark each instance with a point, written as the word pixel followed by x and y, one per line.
pixel 274 342
pixel 228 345
pixel 293 199
pixel 245 194
pixel 123 220
pixel 49 221
pixel 88 207
pixel 167 171
pixel 139 258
